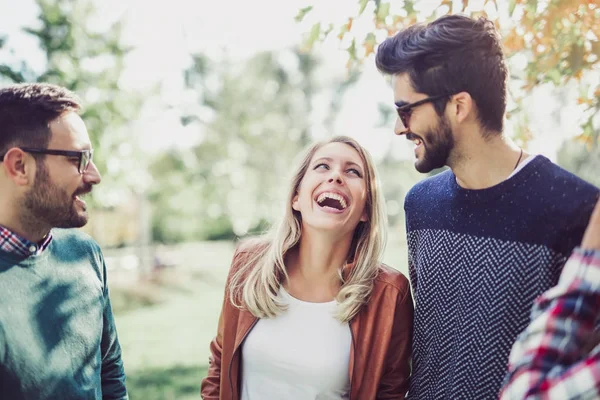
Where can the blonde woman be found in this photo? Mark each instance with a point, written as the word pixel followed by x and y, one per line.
pixel 310 312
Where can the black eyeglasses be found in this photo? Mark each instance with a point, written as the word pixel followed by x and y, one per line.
pixel 84 156
pixel 405 110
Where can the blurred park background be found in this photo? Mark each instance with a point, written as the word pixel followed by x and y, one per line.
pixel 197 109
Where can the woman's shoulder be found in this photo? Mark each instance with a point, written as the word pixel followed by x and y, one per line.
pixel 391 278
pixel 250 246
pixel 248 249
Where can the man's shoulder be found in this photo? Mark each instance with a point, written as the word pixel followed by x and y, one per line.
pixel 74 244
pixel 552 176
pixel 423 189
pixel 561 191
pixel 74 239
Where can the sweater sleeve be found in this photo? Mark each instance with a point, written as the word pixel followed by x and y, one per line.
pixel 113 372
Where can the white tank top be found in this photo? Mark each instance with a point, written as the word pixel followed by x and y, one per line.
pixel 303 353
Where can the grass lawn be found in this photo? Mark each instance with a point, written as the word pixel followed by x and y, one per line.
pixel 165 328
pixel 170 383
pixel 165 345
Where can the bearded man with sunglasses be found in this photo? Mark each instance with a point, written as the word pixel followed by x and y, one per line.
pixel 58 338
pixel 491 233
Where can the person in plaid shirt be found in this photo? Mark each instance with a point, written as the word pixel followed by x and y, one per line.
pixel 558 355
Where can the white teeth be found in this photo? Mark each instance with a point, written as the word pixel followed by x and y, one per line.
pixel 334 196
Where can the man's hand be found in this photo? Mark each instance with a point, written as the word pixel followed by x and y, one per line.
pixel 591 237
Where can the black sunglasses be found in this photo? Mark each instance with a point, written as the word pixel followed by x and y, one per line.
pixel 84 156
pixel 405 110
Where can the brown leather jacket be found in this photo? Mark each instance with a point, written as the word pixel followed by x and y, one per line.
pixel 381 342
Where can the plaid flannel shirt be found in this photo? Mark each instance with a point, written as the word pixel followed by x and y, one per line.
pixel 558 355
pixel 12 243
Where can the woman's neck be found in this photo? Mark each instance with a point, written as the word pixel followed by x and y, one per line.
pixel 313 267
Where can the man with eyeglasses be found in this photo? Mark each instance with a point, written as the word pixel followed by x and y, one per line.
pixel 491 233
pixel 58 338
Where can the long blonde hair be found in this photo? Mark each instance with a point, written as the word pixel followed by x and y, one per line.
pixel 258 277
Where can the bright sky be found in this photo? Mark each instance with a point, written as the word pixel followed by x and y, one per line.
pixel 165 33
pixel 242 28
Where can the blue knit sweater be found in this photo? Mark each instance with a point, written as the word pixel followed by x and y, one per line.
pixel 57 333
pixel 477 261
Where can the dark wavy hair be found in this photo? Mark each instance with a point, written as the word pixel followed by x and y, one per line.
pixel 452 54
pixel 26 111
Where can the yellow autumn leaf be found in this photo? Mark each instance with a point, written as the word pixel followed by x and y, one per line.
pixel 369 49
pixel 465 4
pixel 588 140
pixel 584 100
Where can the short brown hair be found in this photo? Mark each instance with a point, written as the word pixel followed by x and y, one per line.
pixel 26 111
pixel 452 54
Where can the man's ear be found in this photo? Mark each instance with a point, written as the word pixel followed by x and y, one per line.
pixel 462 107
pixel 18 167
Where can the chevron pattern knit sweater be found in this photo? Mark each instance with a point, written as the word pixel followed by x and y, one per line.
pixel 477 261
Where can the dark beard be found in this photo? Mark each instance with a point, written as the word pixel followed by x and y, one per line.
pixel 437 145
pixel 46 204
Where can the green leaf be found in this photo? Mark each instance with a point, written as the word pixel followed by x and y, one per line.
pixel 362 6
pixel 343 30
pixel 11 74
pixel 369 43
pixel 532 6
pixel 409 6
pixel 314 34
pixel 302 13
pixel 383 11
pixel 352 50
pixel 512 4
pixel 554 76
